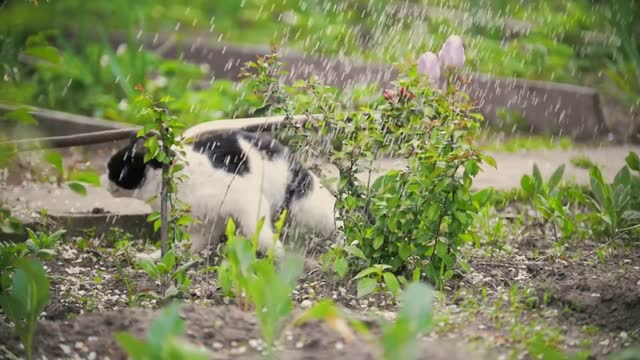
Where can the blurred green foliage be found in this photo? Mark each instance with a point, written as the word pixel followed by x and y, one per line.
pixel 91 78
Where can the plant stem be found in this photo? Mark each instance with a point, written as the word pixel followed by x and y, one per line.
pixel 28 346
pixel 164 214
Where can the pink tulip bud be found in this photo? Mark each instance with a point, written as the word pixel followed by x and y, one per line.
pixel 452 53
pixel 428 64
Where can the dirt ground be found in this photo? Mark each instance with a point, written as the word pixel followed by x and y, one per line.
pixel 565 295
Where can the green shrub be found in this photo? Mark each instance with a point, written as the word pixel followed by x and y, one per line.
pixel 412 220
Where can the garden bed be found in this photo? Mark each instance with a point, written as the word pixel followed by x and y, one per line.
pixel 526 289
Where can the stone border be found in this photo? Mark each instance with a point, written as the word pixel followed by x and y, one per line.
pixel 546 107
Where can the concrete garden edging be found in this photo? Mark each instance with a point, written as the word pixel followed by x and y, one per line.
pixel 545 107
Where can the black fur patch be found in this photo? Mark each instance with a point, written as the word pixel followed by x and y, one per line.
pixel 127 168
pixel 224 152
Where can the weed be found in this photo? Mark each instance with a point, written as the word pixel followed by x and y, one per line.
pixel 162 341
pixel 166 272
pixel 28 295
pixel 549 200
pixel 369 278
pixel 617 205
pixel 267 288
pixel 43 245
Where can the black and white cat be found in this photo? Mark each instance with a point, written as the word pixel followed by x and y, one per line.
pixel 237 174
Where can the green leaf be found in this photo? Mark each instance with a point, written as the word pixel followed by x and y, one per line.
pixel 623 178
pixel 55 159
pixel 417 302
pixel 355 252
pixel 537 177
pixel 153 216
pixel 181 350
pixel 45 53
pixel 368 271
pixel 149 267
pixel 526 182
pixel 169 260
pixel 633 161
pixel 555 178
pixel 489 160
pixel 322 310
pixel 631 216
pixel 378 241
pixel 87 177
pixel 392 283
pixel 366 286
pixel 167 325
pixel 134 347
pixel 77 188
pixel 341 267
pixel 415 276
pixel 151 144
pixel 22 116
pixel 404 250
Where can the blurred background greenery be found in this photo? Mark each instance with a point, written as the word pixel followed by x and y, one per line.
pixel 586 42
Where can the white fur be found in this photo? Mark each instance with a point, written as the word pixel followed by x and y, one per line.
pixel 215 195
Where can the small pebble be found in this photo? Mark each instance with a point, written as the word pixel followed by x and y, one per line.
pixel 254 343
pixel 65 349
pixel 305 304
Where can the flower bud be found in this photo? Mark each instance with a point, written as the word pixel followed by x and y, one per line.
pixel 429 64
pixel 452 53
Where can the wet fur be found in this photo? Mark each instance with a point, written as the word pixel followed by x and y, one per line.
pixel 235 174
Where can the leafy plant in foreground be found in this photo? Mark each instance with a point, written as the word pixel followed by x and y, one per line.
pixel 28 295
pixel 399 338
pixel 163 341
pixel 266 287
pixel 617 205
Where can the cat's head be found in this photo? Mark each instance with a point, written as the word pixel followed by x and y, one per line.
pixel 127 173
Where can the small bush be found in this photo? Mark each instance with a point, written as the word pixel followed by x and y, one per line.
pixel 412 220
